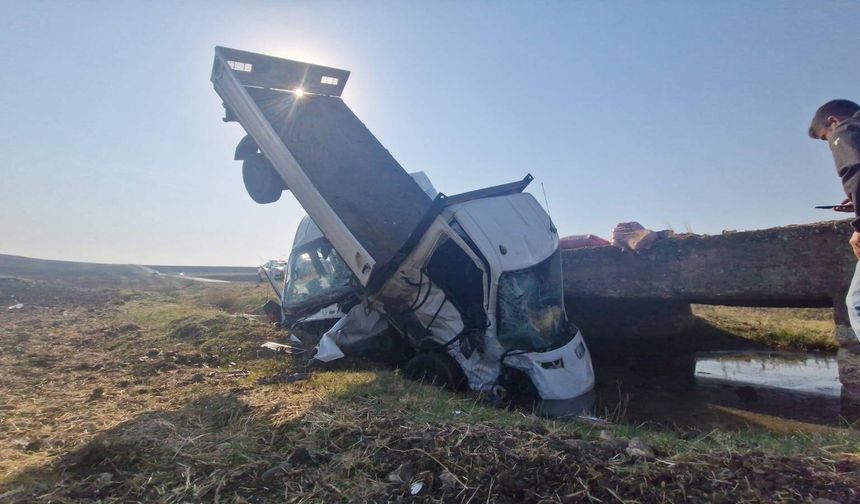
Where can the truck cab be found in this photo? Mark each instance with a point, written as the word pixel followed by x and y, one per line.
pixel 495 260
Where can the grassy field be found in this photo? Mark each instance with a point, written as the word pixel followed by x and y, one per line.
pixel 781 328
pixel 159 392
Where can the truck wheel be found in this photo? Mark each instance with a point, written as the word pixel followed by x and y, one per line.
pixel 262 182
pixel 515 386
pixel 435 368
pixel 273 312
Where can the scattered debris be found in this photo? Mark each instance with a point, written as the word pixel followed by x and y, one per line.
pixel 416 487
pixel 327 350
pixel 281 348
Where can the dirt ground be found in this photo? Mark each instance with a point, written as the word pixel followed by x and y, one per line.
pixel 158 391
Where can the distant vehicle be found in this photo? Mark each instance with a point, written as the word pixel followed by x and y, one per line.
pixel 274 268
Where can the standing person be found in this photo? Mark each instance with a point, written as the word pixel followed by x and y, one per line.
pixel 838 123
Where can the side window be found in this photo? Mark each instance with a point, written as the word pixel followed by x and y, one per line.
pixel 453 271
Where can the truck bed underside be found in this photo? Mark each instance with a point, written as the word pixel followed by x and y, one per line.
pixel 364 185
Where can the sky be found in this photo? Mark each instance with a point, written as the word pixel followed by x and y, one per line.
pixel 681 115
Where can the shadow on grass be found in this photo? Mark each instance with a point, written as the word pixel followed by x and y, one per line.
pixel 190 454
pixel 367 436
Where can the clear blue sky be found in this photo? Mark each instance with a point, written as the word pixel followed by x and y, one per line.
pixel 689 115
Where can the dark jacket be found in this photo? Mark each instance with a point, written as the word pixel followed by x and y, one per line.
pixel 845 145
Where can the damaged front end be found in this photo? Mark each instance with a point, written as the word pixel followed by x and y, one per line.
pixel 538 339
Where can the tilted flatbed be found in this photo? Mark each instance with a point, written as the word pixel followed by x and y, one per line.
pixel 349 184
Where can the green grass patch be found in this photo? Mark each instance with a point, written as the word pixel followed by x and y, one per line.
pixel 800 329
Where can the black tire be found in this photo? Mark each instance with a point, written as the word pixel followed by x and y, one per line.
pixel 262 182
pixel 273 312
pixel 517 386
pixel 435 368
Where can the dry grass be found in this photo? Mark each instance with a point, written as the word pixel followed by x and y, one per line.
pixel 155 398
pixel 233 297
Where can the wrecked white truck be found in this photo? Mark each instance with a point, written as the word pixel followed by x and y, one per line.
pixel 467 289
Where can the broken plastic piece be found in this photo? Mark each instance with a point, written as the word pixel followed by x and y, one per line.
pixel 327 350
pixel 281 348
pixel 416 487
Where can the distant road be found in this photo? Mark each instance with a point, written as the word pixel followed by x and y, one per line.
pixel 11 265
pixel 209 273
pixel 182 275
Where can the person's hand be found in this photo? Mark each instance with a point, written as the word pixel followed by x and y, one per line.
pixel 855 244
pixel 846 206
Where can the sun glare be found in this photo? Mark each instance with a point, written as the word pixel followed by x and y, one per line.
pixel 299 92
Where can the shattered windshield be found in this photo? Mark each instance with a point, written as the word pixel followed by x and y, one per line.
pixel 316 273
pixel 531 314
